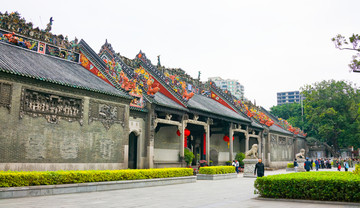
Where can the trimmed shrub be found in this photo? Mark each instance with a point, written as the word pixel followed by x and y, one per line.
pixel 290 165
pixel 34 178
pixel 217 170
pixel 357 169
pixel 328 186
pixel 240 157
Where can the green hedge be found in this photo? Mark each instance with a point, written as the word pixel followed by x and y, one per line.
pixel 290 165
pixel 12 179
pixel 357 169
pixel 217 170
pixel 328 186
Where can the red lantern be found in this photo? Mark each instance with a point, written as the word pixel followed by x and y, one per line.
pixel 178 133
pixel 226 139
pixel 186 134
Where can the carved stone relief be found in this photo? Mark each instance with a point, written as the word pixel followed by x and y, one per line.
pixel 273 139
pixel 282 141
pixel 52 107
pixel 107 114
pixel 5 95
pixel 290 141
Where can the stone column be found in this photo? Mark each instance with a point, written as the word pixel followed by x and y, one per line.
pixel 207 132
pixel 231 149
pixel 182 139
pixel 259 147
pixel 246 141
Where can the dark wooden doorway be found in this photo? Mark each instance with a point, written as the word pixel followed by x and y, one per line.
pixel 132 164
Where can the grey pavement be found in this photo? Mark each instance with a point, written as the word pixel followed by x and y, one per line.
pixel 237 192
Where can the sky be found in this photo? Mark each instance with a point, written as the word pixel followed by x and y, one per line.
pixel 268 46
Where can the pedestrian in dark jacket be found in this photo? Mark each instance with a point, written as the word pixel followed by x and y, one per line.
pixel 259 168
pixel 307 164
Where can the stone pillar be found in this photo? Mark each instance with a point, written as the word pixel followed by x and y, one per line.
pixel 246 141
pixel 207 132
pixel 182 139
pixel 259 147
pixel 231 134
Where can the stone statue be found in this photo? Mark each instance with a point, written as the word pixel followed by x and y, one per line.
pixel 252 153
pixel 301 155
pixel 158 64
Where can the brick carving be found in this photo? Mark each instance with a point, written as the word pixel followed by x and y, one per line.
pixel 273 139
pixel 290 141
pixel 5 95
pixel 50 106
pixel 282 140
pixel 107 114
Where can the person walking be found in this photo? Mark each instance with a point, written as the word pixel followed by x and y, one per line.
pixel 346 165
pixel 307 165
pixel 317 164
pixel 312 162
pixel 296 165
pixel 259 169
pixel 237 164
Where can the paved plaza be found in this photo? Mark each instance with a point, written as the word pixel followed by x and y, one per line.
pixel 237 192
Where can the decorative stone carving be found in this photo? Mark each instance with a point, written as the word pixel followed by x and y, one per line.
pixel 52 107
pixel 252 153
pixel 290 141
pixel 273 139
pixel 107 114
pixel 168 116
pixel 196 117
pixel 5 95
pixel 282 141
pixel 300 155
pixel 249 167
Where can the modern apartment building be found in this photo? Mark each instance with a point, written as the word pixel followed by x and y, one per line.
pixel 232 85
pixel 288 97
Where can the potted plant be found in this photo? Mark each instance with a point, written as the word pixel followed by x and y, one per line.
pixel 188 156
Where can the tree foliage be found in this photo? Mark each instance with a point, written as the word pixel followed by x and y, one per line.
pixel 290 112
pixel 353 44
pixel 332 110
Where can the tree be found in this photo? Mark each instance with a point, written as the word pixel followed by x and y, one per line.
pixel 332 110
pixel 341 43
pixel 290 112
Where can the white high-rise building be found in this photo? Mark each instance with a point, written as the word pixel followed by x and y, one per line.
pixel 232 85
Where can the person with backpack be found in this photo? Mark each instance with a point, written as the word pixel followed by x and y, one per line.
pixel 307 164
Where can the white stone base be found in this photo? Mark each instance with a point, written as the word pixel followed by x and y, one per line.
pixel 249 167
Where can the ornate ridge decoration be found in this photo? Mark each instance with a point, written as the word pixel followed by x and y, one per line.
pixel 41 41
pixel 284 124
pixel 51 106
pixel 5 95
pixel 107 114
pixel 141 58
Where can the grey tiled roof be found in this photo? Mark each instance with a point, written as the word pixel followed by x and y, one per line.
pixel 203 103
pixel 16 60
pixel 161 99
pixel 279 130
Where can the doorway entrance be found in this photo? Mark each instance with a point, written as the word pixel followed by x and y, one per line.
pixel 132 157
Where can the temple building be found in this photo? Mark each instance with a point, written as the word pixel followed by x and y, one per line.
pixel 64 107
